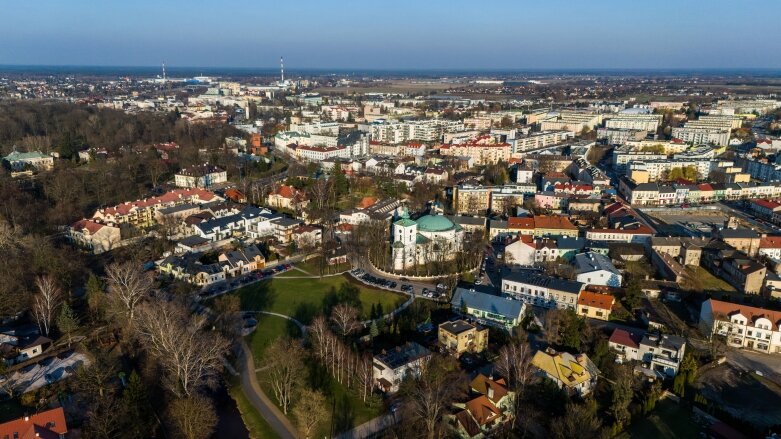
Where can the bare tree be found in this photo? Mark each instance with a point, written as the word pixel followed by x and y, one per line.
pixel 429 393
pixel 193 417
pixel 310 411
pixel 514 363
pixel 345 317
pixel 127 286
pixel 285 370
pixel 189 355
pixel 365 376
pixel 45 303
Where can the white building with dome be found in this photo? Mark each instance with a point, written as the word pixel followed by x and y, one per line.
pixel 430 238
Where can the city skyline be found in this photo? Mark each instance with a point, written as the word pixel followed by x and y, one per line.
pixel 433 36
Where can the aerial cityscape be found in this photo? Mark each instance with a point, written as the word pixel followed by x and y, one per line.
pixel 438 220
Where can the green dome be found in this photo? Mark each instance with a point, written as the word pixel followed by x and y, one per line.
pixel 434 223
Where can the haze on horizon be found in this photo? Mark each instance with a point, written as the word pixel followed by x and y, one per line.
pixel 436 34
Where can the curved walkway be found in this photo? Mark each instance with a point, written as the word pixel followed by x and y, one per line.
pixel 249 385
pixel 300 325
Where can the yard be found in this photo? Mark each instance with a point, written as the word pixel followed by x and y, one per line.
pixel 668 421
pixel 709 282
pixel 303 298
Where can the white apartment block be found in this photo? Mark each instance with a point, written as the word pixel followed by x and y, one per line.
pixel 643 122
pixel 713 136
pixel 571 121
pixel 540 140
pixel 743 326
pixel 541 290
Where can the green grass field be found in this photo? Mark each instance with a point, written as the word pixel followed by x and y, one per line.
pixel 269 329
pixel 710 282
pixel 668 421
pixel 303 298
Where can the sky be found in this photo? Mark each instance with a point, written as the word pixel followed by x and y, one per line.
pixel 397 34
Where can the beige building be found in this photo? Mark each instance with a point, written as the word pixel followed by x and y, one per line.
pixel 461 336
pixel 595 305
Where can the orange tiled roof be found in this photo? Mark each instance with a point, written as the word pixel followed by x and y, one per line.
pixel 602 301
pixel 48 424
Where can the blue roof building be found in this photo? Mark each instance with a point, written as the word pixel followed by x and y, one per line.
pixel 488 309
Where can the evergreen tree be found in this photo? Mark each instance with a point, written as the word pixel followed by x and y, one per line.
pixel 67 322
pixel 374 331
pixel 137 407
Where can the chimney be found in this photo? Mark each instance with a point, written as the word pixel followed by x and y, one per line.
pixel 490 392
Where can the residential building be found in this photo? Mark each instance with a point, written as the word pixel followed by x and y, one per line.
pixel 203 176
pixel 242 261
pixel 390 367
pixel 595 269
pixel 575 374
pixel 461 336
pixel 537 289
pixel 595 305
pixel 143 213
pixel 35 159
pixel 94 236
pixel 640 122
pixel 697 135
pixel 483 415
pixel 48 424
pixel 287 197
pixel 743 326
pixel 661 353
pixel 488 309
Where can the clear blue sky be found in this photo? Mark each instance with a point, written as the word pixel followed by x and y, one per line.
pixel 404 34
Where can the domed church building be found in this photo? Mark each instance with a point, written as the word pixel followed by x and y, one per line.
pixel 430 238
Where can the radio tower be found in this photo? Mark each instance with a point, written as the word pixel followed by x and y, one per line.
pixel 282 67
pixel 163 71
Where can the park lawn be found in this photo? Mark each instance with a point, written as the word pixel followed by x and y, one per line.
pixel 347 409
pixel 257 426
pixel 269 329
pixel 668 421
pixel 302 298
pixel 709 281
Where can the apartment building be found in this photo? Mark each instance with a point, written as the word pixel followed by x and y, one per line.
pixel 487 308
pixel 743 326
pixel 537 289
pixel 540 140
pixel 571 121
pixel 699 135
pixel 620 136
pixel 482 151
pixel 633 121
pixel 205 176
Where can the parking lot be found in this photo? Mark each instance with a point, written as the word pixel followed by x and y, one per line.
pixel 47 371
pixel 437 293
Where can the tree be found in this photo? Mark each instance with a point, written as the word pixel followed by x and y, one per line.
pixel 45 303
pixel 227 308
pixel 688 368
pixel 514 364
pixel 374 331
pixel 310 411
pixel 189 355
pixel 431 392
pixel 128 286
pixel 621 396
pixel 95 297
pixel 67 322
pixel 345 317
pixel 652 395
pixel 137 407
pixel 285 370
pixel 579 420
pixel 192 417
pixel 679 384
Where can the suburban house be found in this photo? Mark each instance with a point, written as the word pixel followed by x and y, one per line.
pixel 16 348
pixel 488 309
pixel 481 416
pixel 187 268
pixel 94 236
pixel 49 424
pixel 307 237
pixel 205 176
pixel 660 353
pixel 390 368
pixel 461 336
pixel 528 251
pixel 596 269
pixel 576 374
pixel 743 326
pixel 595 305
pixel 538 289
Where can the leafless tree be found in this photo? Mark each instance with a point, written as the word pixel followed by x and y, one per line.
pixel 127 286
pixel 430 393
pixel 365 376
pixel 345 317
pixel 192 417
pixel 285 370
pixel 189 355
pixel 514 363
pixel 45 303
pixel 310 411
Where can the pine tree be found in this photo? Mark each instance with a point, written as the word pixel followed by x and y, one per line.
pixel 374 331
pixel 67 322
pixel 136 405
